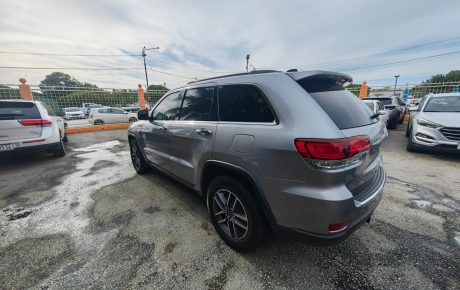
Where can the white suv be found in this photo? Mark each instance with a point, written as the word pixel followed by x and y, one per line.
pixel 30 126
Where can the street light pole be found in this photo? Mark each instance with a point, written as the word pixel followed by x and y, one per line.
pixel 396 82
pixel 145 65
pixel 247 62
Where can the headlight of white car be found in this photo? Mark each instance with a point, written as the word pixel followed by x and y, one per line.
pixel 429 124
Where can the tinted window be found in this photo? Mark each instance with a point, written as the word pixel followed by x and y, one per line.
pixel 117 111
pixel 198 105
pixel 443 104
pixel 168 109
pixel 18 110
pixel 103 111
pixel 343 107
pixel 244 103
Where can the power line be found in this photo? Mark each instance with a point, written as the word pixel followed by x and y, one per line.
pixel 391 52
pixel 170 74
pixel 404 61
pixel 65 54
pixel 71 68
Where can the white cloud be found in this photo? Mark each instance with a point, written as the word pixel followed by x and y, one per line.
pixel 198 37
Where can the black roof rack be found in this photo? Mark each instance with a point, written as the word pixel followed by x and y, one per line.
pixel 254 72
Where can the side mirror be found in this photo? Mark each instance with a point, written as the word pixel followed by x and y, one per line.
pixel 413 108
pixel 143 114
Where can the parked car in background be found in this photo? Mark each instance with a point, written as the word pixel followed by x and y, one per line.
pixel 306 166
pixel 85 107
pixel 30 126
pixel 110 115
pixel 412 102
pixel 435 123
pixel 396 108
pixel 74 113
pixel 131 109
pixel 377 106
pixel 93 106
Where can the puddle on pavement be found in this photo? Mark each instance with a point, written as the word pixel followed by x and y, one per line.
pixel 424 204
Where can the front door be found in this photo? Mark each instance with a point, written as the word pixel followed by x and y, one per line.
pixel 156 133
pixel 191 137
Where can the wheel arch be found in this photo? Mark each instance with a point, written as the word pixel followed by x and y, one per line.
pixel 213 168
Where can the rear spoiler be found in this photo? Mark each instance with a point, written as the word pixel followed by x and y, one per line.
pixel 339 78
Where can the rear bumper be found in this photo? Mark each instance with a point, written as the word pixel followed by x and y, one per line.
pixel 50 147
pixel 304 212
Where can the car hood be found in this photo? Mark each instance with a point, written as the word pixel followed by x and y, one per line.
pixel 448 119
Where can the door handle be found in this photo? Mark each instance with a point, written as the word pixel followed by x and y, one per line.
pixel 204 132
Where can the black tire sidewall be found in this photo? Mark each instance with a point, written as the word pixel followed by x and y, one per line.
pixel 256 226
pixel 143 166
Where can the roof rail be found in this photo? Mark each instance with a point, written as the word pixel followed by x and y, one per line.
pixel 254 72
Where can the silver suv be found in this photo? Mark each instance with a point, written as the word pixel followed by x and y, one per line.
pixel 291 152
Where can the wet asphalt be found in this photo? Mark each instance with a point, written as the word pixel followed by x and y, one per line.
pixel 88 221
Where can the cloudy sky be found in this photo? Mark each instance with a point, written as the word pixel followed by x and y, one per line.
pixel 200 39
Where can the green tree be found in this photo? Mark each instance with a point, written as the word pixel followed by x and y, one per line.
pixel 59 79
pixel 157 88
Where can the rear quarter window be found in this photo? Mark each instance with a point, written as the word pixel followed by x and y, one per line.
pixel 18 110
pixel 344 108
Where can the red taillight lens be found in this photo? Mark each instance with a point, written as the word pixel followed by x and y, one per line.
pixel 35 122
pixel 334 149
pixel 338 227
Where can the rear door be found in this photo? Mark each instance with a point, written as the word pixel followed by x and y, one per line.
pixel 191 136
pixel 155 133
pixel 11 115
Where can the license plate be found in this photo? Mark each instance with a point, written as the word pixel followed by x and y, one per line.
pixel 7 147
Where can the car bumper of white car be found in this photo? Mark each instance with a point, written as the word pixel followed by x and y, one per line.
pixel 433 138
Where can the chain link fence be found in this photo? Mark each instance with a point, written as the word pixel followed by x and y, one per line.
pixel 76 103
pixel 413 90
pixel 109 105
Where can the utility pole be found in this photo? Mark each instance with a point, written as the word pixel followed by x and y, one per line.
pixel 247 62
pixel 145 66
pixel 396 82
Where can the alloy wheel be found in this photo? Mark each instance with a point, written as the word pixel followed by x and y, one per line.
pixel 230 214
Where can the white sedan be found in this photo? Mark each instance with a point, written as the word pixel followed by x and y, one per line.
pixel 110 115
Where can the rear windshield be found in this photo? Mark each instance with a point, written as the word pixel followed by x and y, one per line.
pixel 18 110
pixel 344 108
pixel 443 104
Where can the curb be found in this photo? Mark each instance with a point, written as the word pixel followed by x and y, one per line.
pixel 96 128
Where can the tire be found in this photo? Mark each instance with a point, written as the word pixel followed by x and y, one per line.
pixel 407 129
pixel 60 151
pixel 132 120
pixel 393 123
pixel 235 214
pixel 410 144
pixel 98 122
pixel 139 163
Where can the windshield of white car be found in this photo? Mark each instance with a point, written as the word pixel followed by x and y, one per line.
pixel 443 104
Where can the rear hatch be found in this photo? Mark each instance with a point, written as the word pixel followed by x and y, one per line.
pixel 352 118
pixel 12 113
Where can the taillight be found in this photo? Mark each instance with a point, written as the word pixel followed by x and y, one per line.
pixel 332 149
pixel 35 122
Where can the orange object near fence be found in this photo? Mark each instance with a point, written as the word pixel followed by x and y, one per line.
pixel 140 94
pixel 24 90
pixel 363 91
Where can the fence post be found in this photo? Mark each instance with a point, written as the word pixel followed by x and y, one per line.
pixel 363 91
pixel 24 90
pixel 140 94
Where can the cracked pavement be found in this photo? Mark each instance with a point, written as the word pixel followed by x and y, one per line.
pixel 88 221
